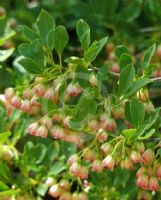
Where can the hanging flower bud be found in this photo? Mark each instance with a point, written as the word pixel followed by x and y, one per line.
pixel 108 162
pixel 140 147
pixel 142 181
pixel 9 93
pixel 64 184
pixel 82 196
pixel 89 155
pixel 106 148
pixel 149 107
pixel 97 166
pixel 73 159
pixel 118 112
pixel 73 89
pixel 126 164
pixel 32 129
pixel 34 101
pixel 140 172
pixel 49 94
pixel 107 123
pixel 39 89
pixel 84 172
pixel 143 95
pixel 158 171
pixel 57 132
pixel 47 121
pixel 42 131
pixel 101 136
pixel 136 157
pixel 93 125
pixel 16 101
pixel 93 80
pixel 57 118
pixel 153 183
pixel 148 156
pixel 55 191
pixel 50 181
pixel 75 196
pixel 66 196
pixel 27 94
pixel 66 122
pixel 75 169
pixel 26 106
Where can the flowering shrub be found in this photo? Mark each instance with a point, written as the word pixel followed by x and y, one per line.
pixel 106 113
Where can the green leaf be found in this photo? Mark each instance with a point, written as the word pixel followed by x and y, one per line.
pixel 83 32
pixel 45 23
pixel 4 54
pixel 29 34
pixel 31 66
pixel 126 78
pixel 60 39
pixel 103 73
pixel 93 51
pixel 75 60
pixel 57 168
pixel 4 136
pixel 138 84
pixel 41 189
pixel 3 187
pixel 150 69
pixel 137 112
pixel 82 75
pixel 148 55
pixel 124 60
pixel 62 91
pixel 120 50
pixel 33 51
pixel 47 105
pixel 129 133
pixel 51 154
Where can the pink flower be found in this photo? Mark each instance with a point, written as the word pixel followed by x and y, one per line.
pixel 153 183
pixel 42 131
pixel 82 196
pixel 136 157
pixel 140 172
pixel 107 123
pixel 142 181
pixel 84 172
pixel 97 166
pixel 55 191
pixel 89 155
pixel 32 129
pixel 26 106
pixel 140 147
pixel 148 156
pixel 39 89
pixel 101 136
pixel 64 184
pixel 106 148
pixel 47 121
pixel 73 159
pixel 93 125
pixel 57 132
pixel 9 93
pixel 75 169
pixel 16 101
pixel 127 164
pixel 108 162
pixel 158 171
pixel 93 80
pixel 66 196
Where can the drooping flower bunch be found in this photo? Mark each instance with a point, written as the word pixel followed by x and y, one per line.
pixel 74 103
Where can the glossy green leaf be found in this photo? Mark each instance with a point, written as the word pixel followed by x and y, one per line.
pixel 45 23
pixel 29 33
pixel 148 55
pixel 120 50
pixel 4 136
pixel 60 39
pixel 124 60
pixel 33 51
pixel 31 66
pixel 83 32
pixel 126 78
pixel 138 84
pixel 137 112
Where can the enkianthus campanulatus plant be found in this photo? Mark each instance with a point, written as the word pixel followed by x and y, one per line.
pixel 114 124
